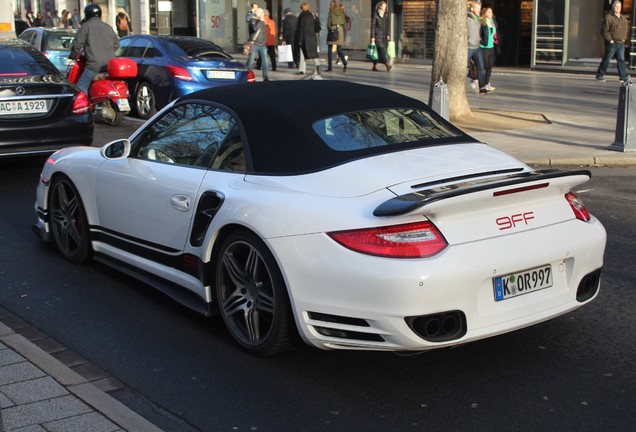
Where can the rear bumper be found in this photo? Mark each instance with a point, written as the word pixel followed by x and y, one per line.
pixel 370 302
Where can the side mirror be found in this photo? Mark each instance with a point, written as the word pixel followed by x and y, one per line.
pixel 119 149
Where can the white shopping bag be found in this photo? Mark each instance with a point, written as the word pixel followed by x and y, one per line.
pixel 285 53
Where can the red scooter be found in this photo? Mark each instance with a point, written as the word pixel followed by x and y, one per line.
pixel 107 94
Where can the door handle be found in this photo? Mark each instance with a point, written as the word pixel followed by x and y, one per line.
pixel 181 202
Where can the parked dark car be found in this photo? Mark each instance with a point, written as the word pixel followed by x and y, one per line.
pixel 40 111
pixel 173 66
pixel 55 43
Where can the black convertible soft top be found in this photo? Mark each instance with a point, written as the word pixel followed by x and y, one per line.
pixel 278 118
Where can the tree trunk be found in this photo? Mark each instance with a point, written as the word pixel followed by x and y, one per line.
pixel 451 53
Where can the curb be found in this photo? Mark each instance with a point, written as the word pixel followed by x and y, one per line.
pixel 591 161
pixel 77 385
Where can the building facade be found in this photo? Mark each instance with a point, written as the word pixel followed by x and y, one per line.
pixel 532 32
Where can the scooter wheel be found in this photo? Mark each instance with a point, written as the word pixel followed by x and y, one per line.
pixel 118 117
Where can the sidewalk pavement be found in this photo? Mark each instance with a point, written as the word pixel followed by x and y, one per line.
pixel 38 393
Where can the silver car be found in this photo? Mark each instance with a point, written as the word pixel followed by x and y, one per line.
pixel 55 43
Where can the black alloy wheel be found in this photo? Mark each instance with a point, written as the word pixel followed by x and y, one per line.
pixel 69 226
pixel 145 103
pixel 252 295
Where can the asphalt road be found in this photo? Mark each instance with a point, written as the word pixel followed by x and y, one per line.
pixel 577 372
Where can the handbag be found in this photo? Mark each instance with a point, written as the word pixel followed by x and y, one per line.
pixel 372 52
pixel 317 26
pixel 333 35
pixel 285 53
pixel 247 47
pixel 248 44
pixel 390 49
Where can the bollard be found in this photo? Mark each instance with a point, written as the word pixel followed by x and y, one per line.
pixel 625 120
pixel 440 99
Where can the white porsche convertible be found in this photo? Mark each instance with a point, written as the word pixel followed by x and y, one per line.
pixel 348 216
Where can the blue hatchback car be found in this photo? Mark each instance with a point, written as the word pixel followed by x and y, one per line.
pixel 173 66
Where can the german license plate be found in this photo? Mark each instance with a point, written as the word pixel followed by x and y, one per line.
pixel 522 282
pixel 23 107
pixel 123 105
pixel 218 74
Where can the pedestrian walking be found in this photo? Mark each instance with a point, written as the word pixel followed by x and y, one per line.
pixel 489 43
pixel 258 35
pixel 270 25
pixel 615 31
pixel 48 20
pixel 77 19
pixel 288 33
pixel 346 29
pixel 67 20
pixel 307 40
pixel 30 20
pixel 475 53
pixel 381 34
pixel 55 19
pixel 122 22
pixel 336 23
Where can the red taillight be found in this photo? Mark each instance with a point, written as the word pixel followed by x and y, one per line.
pixel 80 104
pixel 120 88
pixel 251 78
pixel 414 240
pixel 179 73
pixel 579 209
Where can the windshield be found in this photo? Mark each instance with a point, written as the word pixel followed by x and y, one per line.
pixel 367 129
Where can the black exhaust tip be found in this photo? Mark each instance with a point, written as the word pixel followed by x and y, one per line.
pixel 589 286
pixel 439 327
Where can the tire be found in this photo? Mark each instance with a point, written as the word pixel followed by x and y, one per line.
pixel 69 226
pixel 145 102
pixel 252 295
pixel 119 116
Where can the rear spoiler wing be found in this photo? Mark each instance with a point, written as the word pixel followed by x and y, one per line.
pixel 404 204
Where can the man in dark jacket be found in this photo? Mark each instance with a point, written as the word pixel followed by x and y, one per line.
pixel 289 33
pixel 99 42
pixel 615 31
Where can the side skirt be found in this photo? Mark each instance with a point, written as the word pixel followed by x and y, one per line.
pixel 174 291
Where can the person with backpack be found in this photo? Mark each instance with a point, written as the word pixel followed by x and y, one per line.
pixel 122 22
